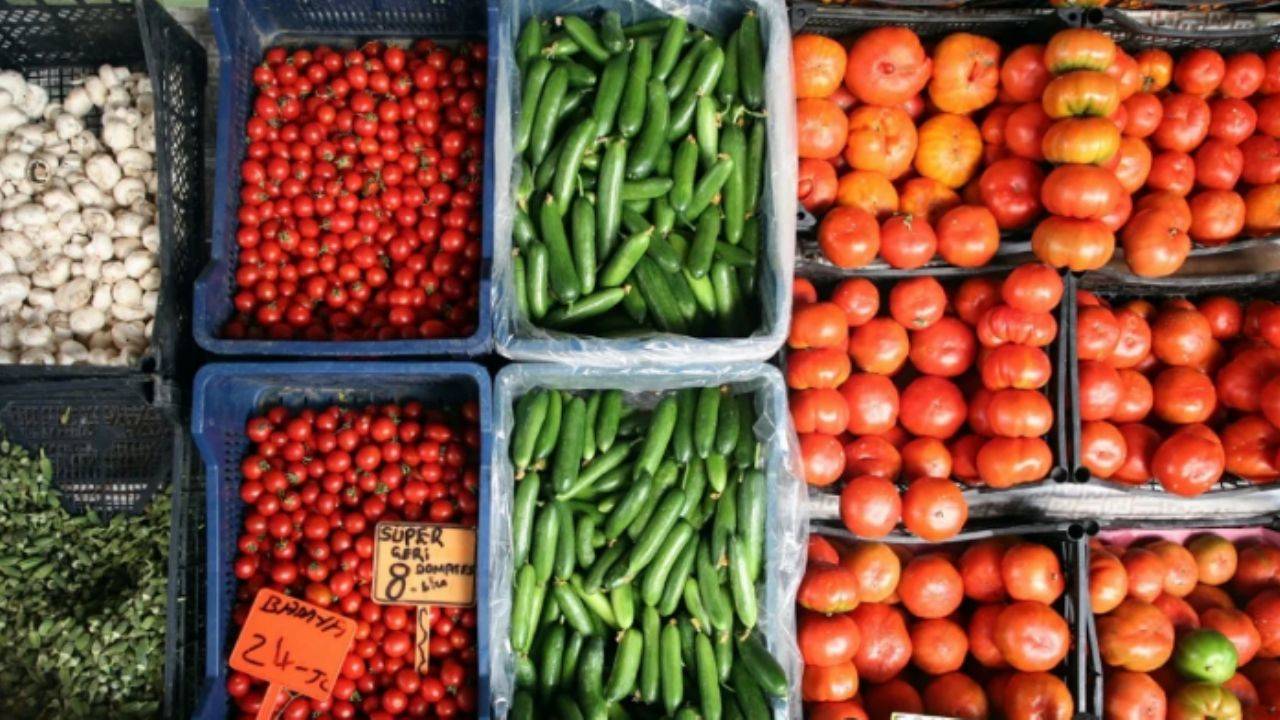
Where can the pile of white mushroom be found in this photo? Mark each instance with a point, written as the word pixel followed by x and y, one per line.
pixel 78 226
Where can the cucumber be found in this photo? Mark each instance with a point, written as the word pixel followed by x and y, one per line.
pixel 584 546
pixel 569 661
pixel 669 50
pixel 529 41
pixel 751 520
pixel 722 642
pixel 575 613
pixel 526 585
pixel 651 657
pixel 522 230
pixel 714 598
pixel 611 35
pixel 727 426
pixel 589 429
pixel 622 600
pixel 519 284
pixel 727 85
pixel 585 35
pixel 550 654
pixel 660 569
pixel 708 678
pixel 587 307
pixel 647 189
pixel 672 667
pixel 708 186
pixel 754 177
pixel 680 74
pixel 706 131
pixel 530 413
pixel 626 665
pixel 627 510
pixel 682 438
pixel 522 706
pixel 695 482
pixel 705 417
pixel 741 584
pixel 655 532
pixel 653 134
pixel 570 160
pixel 546 534
pixel 610 415
pixel 568 456
pixel 591 669
pixel 766 671
pixel 609 93
pixel 612 554
pixel 548 112
pixel 661 427
pixel 631 111
pixel 550 431
pixel 750 62
pixel 566 558
pixel 624 259
pixel 661 252
pixel 567 708
pixel 522 514
pixel 733 195
pixel 702 252
pixel 535 78
pixel 563 276
pixel 748 694
pixel 537 286
pixel 684 168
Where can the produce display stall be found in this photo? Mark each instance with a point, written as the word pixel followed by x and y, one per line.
pixel 661 358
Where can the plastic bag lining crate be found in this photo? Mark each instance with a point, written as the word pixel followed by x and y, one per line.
pixel 226 394
pixel 1125 533
pixel 786 529
pixel 1070 540
pixel 244 29
pixel 520 339
pixel 1240 287
pixel 53 45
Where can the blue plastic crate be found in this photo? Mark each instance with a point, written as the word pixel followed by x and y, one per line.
pixel 244 29
pixel 225 396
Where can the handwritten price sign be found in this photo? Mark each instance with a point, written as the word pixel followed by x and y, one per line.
pixel 293 645
pixel 422 564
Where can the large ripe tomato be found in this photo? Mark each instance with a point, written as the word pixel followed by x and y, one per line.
pixel 1126 73
pixel 816 189
pixel 1097 333
pixel 1032 287
pixel 1119 215
pixel 946 348
pixel 1184 125
pixel 1136 396
pixel 926 198
pixel 1154 245
pixel 817 65
pixel 885 648
pixel 822 368
pixel 1102 449
pixel 1006 462
pixel 1010 189
pixel 827 588
pixel 1078 245
pixel 887 66
pixel 1257 567
pixel 1203 701
pixel 907 241
pixel 1080 191
pixel 823 458
pixel 1133 696
pixel 1099 391
pixel 966 73
pixel 1238 627
pixel 849 236
pixel 859 299
pixel 1173 172
pixel 1250 445
pixel 826 640
pixel 834 683
pixel 1079 49
pixel 870 191
pixel 1199 71
pixel 1262 209
pixel 1180 570
pixel 873 403
pixel 1023 76
pixel 982 636
pixel 1080 93
pixel 930 586
pixel 979 566
pixel 949 149
pixel 821 128
pixel 819 410
pixel 974 296
pixel 1016 366
pixel 1261 160
pixel 918 302
pixel 818 325
pixel 1231 119
pixel 882 139
pixel 1167 200
pixel 872 455
pixel 932 407
pixel 1019 413
pixel 968 236
pixel 1264 610
pixel 1041 696
pixel 955 695
pixel 1024 131
pixel 1243 75
pixel 939 646
pixel 934 508
pixel 846 710
pixel 1156 68
pixel 877 568
pixel 1146 572
pixel 1083 141
pixel 894 696
pixel 1108 581
pixel 1216 558
pixel 1135 636
pixel 870 506
pixel 1217 216
pixel 1032 636
pixel 1140 442
pixel 1181 336
pixel 879 346
pixel 1218 164
pixel 1144 112
pixel 1190 461
pixel 1131 164
pixel 1031 571
pixel 1240 383
pixel 1006 324
pixel 1183 395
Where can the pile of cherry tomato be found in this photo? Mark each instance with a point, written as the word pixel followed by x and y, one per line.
pixel 920 384
pixel 315 483
pixel 1179 392
pixel 967 631
pixel 360 194
pixel 1188 625
pixel 908 152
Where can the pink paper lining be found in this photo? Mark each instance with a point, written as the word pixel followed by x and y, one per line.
pixel 1126 537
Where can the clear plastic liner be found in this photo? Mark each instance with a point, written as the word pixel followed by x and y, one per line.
pixel 786 530
pixel 515 336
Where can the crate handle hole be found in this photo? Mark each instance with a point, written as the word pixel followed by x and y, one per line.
pixel 1082 475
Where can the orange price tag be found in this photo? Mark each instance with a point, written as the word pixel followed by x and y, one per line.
pixel 293 645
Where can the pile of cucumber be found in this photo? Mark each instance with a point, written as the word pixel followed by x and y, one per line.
pixel 638 547
pixel 641 153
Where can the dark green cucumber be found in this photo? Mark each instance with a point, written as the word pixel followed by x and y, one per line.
pixel 657 572
pixel 522 516
pixel 575 612
pixel 741 585
pixel 569 661
pixel 609 196
pixel 550 431
pixel 644 154
pixel 544 123
pixel 585 35
pixel 626 665
pixel 751 511
pixel 585 308
pixel 546 533
pixel 624 259
pixel 727 426
pixel 706 130
pixel 661 427
pixel 766 671
pixel 566 554
pixel 622 600
pixel 702 252
pixel 568 456
pixel 537 286
pixel 708 678
pixel 522 230
pixel 672 593
pixel 706 414
pixel 715 599
pixel 529 41
pixel 563 276
pixel 748 694
pixel 669 50
pixel 708 186
pixel 727 85
pixel 550 654
pixel 682 438
pixel 610 415
pixel 672 667
pixel 611 35
pixel 584 546
pixel 733 195
pixel 570 160
pixel 632 110
pixel 520 287
pixel 613 80
pixel 646 189
pixel 665 516
pixel 651 657
pixel 530 413
pixel 754 177
pixel 631 506
pixel 750 62
pixel 684 169
pixel 522 620
pixel 535 78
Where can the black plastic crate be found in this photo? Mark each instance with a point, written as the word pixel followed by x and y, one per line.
pixel 184 653
pixel 1070 539
pixel 1113 288
pixel 53 44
